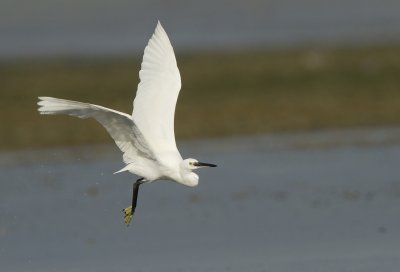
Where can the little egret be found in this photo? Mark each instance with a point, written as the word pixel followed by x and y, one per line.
pixel 146 137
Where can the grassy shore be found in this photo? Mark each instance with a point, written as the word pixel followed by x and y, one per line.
pixel 222 94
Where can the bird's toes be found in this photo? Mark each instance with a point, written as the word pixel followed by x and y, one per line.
pixel 128 214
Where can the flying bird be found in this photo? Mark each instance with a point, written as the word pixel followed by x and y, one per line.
pixel 146 137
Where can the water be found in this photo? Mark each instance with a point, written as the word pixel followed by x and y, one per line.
pixel 325 201
pixel 101 27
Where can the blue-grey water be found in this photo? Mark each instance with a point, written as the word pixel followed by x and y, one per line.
pixel 326 201
pixel 48 27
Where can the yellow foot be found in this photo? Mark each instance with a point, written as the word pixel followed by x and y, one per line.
pixel 128 214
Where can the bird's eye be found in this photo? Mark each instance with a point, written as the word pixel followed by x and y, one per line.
pixel 191 163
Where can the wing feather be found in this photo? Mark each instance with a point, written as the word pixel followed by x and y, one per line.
pixel 157 93
pixel 119 125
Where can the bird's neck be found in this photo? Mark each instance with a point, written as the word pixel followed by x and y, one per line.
pixel 189 178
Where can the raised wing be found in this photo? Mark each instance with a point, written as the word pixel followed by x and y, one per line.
pixel 119 125
pixel 158 90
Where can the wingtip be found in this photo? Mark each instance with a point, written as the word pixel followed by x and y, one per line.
pixel 42 100
pixel 159 26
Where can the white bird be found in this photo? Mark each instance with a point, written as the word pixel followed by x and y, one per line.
pixel 146 137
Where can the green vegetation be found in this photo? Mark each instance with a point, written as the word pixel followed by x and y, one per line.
pixel 222 94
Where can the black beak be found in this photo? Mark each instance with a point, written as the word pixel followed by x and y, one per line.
pixel 204 164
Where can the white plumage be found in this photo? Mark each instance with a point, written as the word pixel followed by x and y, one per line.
pixel 158 90
pixel 146 138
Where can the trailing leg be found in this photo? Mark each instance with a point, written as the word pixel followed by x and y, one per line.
pixel 128 212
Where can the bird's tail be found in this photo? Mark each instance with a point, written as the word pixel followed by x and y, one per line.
pixel 51 105
pixel 126 168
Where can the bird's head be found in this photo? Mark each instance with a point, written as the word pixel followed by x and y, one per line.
pixel 188 165
pixel 193 164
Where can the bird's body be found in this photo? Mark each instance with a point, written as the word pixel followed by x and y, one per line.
pixel 146 137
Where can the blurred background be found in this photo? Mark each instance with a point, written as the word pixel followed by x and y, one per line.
pixel 298 102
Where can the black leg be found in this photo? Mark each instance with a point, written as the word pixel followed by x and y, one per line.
pixel 128 212
pixel 135 193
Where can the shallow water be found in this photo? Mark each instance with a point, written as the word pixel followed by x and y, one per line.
pixel 327 201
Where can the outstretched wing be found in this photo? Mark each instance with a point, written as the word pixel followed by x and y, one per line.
pixel 119 125
pixel 158 90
